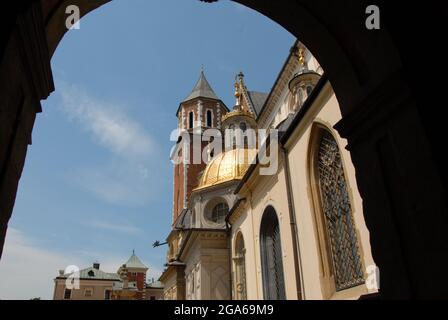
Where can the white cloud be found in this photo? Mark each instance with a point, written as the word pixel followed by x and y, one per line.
pixel 129 178
pixel 109 125
pixel 28 270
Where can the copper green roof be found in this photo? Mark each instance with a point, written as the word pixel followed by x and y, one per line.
pixel 94 274
pixel 135 262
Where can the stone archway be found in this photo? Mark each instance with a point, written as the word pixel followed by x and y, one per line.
pixel 390 122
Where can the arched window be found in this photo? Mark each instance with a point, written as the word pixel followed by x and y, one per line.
pixel 209 118
pixel 240 268
pixel 309 89
pixel 220 212
pixel 339 244
pixel 243 126
pixel 190 120
pixel 271 256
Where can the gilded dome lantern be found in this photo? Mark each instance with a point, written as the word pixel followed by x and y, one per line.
pixel 303 82
pixel 240 143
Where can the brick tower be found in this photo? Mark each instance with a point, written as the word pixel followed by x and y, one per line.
pixel 133 273
pixel 201 110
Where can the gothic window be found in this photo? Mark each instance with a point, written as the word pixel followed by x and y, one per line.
pixel 271 256
pixel 219 212
pixel 209 118
pixel 339 238
pixel 190 120
pixel 240 268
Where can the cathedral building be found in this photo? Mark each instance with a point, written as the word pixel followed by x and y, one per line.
pixel 241 230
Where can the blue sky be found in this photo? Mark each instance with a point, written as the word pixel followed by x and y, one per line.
pixel 98 181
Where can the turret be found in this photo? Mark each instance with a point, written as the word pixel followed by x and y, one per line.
pixel 199 111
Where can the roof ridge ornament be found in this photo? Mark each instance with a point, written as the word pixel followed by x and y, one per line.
pixel 237 94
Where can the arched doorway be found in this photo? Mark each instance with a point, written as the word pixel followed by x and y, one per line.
pixel 394 136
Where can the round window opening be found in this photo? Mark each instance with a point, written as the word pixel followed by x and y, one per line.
pixel 219 213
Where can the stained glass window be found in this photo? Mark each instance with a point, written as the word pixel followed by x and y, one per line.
pixel 338 216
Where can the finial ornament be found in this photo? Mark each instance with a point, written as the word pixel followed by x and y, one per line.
pixel 237 91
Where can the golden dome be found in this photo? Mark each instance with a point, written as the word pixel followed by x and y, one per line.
pixel 235 113
pixel 227 166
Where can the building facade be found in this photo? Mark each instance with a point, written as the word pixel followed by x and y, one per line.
pixel 128 283
pixel 244 231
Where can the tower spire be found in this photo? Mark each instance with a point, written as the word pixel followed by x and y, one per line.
pixel 202 89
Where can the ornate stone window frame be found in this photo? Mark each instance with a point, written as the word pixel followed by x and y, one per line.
pixel 326 265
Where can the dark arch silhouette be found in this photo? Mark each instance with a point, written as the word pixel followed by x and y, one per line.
pixel 393 128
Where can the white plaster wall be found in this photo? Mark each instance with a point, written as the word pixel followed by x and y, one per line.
pixel 329 115
pixel 269 191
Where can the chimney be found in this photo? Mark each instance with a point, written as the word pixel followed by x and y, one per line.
pixel 96 265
